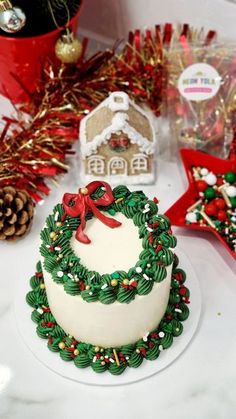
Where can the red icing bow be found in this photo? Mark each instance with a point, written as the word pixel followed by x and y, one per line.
pixel 82 203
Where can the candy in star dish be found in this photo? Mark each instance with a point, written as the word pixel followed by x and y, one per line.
pixel 210 200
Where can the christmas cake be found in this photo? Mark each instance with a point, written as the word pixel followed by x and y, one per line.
pixel 108 292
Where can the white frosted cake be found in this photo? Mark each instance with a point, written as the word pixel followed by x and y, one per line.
pixel 107 268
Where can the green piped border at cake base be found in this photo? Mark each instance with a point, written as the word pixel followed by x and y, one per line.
pixel 114 360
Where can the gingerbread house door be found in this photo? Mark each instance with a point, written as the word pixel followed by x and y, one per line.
pixel 117 166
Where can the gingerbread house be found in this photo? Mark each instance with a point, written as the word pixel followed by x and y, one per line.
pixel 117 142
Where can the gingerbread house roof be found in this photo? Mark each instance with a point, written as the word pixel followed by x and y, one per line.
pixel 115 114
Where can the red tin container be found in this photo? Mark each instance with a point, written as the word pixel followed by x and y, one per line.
pixel 21 61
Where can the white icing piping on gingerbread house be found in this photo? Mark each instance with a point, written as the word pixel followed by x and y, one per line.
pixel 119 123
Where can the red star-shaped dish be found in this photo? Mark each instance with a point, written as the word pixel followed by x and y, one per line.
pixel 201 209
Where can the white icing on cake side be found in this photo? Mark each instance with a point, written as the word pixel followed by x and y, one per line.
pixel 108 325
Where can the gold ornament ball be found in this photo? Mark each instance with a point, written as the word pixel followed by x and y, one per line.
pixel 68 52
pixel 76 352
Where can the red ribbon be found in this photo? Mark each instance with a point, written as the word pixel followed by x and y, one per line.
pixel 82 203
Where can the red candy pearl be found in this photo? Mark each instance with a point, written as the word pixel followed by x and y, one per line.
pixel 220 203
pixel 210 209
pixel 219 181
pixel 201 185
pixel 222 216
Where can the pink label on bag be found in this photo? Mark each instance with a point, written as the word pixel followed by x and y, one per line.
pixel 199 82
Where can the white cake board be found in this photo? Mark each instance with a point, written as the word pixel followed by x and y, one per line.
pixel 38 346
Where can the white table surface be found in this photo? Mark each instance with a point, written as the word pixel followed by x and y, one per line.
pixel 201 384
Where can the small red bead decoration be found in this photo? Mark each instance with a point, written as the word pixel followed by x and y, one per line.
pixel 208 206
pixel 222 215
pixel 219 203
pixel 201 185
pixel 211 209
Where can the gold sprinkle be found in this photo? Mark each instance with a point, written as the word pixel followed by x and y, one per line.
pixel 42 286
pixel 114 282
pixel 84 191
pixel 62 345
pixel 225 196
pixel 194 205
pixel 207 219
pixel 119 200
pixel 76 352
pixel 116 357
pixel 96 349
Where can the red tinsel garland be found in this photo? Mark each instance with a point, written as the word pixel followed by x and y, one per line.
pixel 36 150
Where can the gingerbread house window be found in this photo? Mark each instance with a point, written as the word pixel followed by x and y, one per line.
pixel 96 165
pixel 139 163
pixel 117 166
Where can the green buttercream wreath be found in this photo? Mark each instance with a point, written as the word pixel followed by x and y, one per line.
pixel 66 269
pixel 105 359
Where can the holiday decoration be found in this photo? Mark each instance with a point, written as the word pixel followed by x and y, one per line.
pixel 16 213
pixel 201 96
pixel 23 55
pixel 210 201
pixel 31 155
pixel 12 19
pixel 66 94
pixel 78 205
pixel 68 49
pixel 38 17
pixel 118 141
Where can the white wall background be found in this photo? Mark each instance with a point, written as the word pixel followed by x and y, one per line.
pixel 112 19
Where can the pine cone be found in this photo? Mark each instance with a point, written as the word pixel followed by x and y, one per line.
pixel 16 213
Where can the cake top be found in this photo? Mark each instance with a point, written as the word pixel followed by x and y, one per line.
pixel 69 222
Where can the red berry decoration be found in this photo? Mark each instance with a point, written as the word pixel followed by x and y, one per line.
pixel 219 181
pixel 219 203
pixel 222 216
pixel 201 185
pixel 211 209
